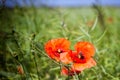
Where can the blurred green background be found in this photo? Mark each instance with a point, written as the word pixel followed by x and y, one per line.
pixel 24 31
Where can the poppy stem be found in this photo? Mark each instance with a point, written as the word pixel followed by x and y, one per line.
pixel 18 62
pixel 33 52
pixel 60 69
pixel 76 76
pixel 68 72
pixel 36 65
pixel 42 52
pixel 15 37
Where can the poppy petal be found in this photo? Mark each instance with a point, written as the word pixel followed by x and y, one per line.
pixel 69 72
pixel 77 58
pixel 65 57
pixel 81 66
pixel 86 48
pixel 56 46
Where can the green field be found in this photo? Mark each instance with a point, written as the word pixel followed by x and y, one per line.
pixel 24 31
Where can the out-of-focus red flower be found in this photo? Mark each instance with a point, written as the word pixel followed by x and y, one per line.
pixel 84 51
pixel 81 66
pixel 55 47
pixel 110 20
pixel 20 69
pixel 70 72
pixel 90 23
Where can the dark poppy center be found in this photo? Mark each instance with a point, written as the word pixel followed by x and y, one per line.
pixel 59 51
pixel 80 55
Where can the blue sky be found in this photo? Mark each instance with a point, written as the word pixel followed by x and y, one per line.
pixel 60 3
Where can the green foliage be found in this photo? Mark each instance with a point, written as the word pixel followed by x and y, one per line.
pixel 28 29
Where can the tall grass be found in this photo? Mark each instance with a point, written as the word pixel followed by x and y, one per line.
pixel 25 31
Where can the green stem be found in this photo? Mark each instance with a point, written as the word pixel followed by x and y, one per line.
pixel 16 41
pixel 36 65
pixel 17 61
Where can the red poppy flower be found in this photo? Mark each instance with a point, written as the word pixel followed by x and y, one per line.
pixel 81 66
pixel 84 51
pixel 70 72
pixel 55 47
pixel 76 68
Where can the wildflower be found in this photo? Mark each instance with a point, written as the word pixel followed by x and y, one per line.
pixel 73 62
pixel 82 57
pixel 20 69
pixel 84 51
pixel 55 47
pixel 81 66
pixel 77 68
pixel 70 72
pixel 110 20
